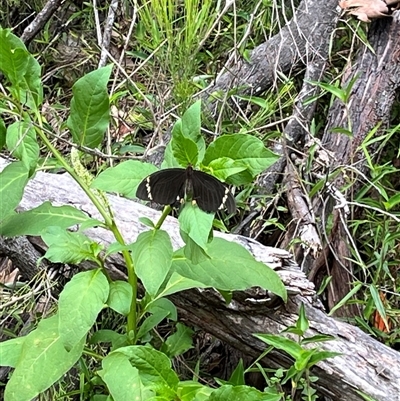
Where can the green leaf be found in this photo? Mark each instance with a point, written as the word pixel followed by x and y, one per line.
pixel 34 221
pixel 230 267
pixel 42 362
pixel 151 321
pixel 163 304
pixel 343 301
pixel 237 377
pixel 69 247
pixel 109 336
pixel 120 297
pixel 302 321
pixel 378 302
pixel 3 131
pixel 282 343
pixel 334 90
pixel 122 379
pixel 177 283
pixel 13 56
pixel 10 351
pixel 21 69
pixel 392 202
pixel 184 150
pixel 321 356
pixel 196 224
pixel 152 257
pixel 21 142
pixel 179 342
pixel 187 145
pixel 192 251
pixel 317 338
pixel 242 393
pixel 224 167
pixel 90 109
pixel 190 127
pixel 246 151
pixel 79 304
pixel 13 179
pixel 124 178
pixel 193 391
pixel 154 369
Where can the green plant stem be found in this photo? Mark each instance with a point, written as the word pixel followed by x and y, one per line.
pixel 109 222
pixel 164 215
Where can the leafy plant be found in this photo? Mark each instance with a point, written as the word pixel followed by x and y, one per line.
pixel 133 368
pixel 305 358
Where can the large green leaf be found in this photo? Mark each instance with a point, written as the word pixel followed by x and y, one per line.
pixel 34 221
pixel 245 150
pixel 242 393
pixel 177 283
pixel 69 247
pixel 21 142
pixel 90 108
pixel 184 150
pixel 124 178
pixel 13 56
pixel 154 369
pixel 187 145
pixel 21 69
pixel 123 379
pixel 43 360
pixel 120 297
pixel 10 351
pixel 152 257
pixel 196 224
pixel 12 183
pixel 151 321
pixel 193 391
pixel 230 267
pixel 179 342
pixel 80 302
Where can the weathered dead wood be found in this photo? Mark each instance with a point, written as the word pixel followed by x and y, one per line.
pixel 377 79
pixel 365 365
pixel 295 44
pixel 40 20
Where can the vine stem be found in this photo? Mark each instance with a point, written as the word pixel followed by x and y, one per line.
pixel 109 223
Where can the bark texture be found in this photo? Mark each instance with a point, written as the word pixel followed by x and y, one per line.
pixel 377 80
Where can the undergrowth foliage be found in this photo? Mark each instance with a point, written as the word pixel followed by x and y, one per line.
pixel 133 368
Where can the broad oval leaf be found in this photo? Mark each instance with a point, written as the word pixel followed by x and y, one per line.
pixel 124 178
pixel 21 142
pixel 80 302
pixel 230 267
pixel 120 297
pixel 196 224
pixel 244 150
pixel 69 247
pixel 152 257
pixel 154 369
pixel 123 379
pixel 13 180
pixel 90 108
pixel 43 360
pixel 34 221
pixel 10 351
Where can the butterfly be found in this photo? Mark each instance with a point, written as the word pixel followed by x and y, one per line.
pixel 173 185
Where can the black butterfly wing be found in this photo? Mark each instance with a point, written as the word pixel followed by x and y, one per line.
pixel 164 186
pixel 211 194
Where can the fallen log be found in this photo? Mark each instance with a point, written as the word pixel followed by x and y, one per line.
pixel 365 365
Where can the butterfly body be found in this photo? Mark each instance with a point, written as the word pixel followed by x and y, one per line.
pixel 173 185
